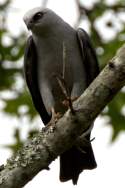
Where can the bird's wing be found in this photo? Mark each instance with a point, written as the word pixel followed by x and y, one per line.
pixel 88 55
pixel 30 71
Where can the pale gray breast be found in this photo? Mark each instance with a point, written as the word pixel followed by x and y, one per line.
pixel 54 61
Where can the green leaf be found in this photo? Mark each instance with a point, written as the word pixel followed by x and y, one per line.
pixel 117 118
pixel 13 105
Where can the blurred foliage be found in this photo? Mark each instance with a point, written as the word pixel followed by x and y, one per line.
pixel 10 69
pixel 18 142
pixel 11 74
pixel 11 54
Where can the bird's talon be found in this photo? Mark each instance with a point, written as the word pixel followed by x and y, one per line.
pixel 65 103
pixel 74 99
pixel 92 139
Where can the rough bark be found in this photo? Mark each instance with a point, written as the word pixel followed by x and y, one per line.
pixel 39 152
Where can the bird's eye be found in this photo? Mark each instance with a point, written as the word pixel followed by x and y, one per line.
pixel 38 16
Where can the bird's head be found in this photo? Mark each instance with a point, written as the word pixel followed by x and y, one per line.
pixel 38 20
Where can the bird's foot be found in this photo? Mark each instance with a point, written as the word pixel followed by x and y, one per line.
pixel 51 126
pixel 55 116
pixel 68 102
pixel 92 139
pixel 65 90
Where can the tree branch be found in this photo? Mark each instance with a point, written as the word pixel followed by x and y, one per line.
pixel 39 152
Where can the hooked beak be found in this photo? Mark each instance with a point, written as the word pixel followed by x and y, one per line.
pixel 29 24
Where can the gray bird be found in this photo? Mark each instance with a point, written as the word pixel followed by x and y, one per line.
pixel 55 48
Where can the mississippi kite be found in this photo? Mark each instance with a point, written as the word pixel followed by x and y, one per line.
pixel 43 58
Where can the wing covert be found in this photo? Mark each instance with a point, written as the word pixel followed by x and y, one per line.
pixel 30 71
pixel 89 56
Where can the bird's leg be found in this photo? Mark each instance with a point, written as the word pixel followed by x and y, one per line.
pixel 68 101
pixel 54 118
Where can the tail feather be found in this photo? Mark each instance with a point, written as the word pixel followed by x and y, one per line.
pixel 74 161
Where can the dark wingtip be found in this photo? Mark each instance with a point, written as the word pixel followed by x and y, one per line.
pixel 75 180
pixel 73 162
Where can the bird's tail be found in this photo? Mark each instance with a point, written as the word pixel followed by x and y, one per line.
pixel 75 160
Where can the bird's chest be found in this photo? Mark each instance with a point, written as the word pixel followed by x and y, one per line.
pixel 54 61
pixel 53 64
